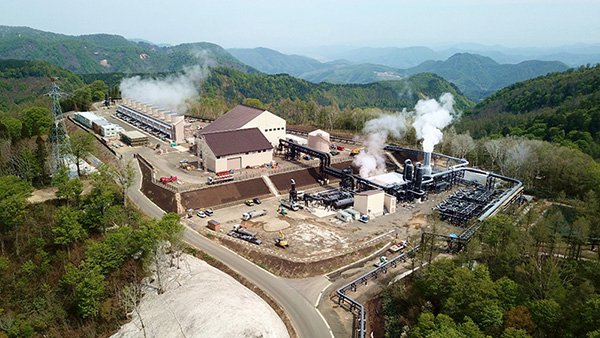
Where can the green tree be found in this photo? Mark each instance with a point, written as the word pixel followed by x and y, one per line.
pixel 98 89
pixel 434 282
pixel 69 189
pixel 68 229
pixel 590 315
pixel 13 202
pixel 511 332
pixel 546 314
pixel 251 102
pixel 81 146
pixel 36 121
pixel 87 286
pixel 13 125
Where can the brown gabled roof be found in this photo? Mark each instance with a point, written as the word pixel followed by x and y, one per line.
pixel 239 141
pixel 233 119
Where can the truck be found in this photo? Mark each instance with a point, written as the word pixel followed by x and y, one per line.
pixel 165 179
pixel 398 247
pixel 239 232
pixel 253 214
pixel 219 179
pixel 290 205
pixel 382 261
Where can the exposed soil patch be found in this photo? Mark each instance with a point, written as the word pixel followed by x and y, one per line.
pixel 375 320
pixel 223 194
pixel 290 269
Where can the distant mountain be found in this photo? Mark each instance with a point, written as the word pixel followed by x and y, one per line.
pixel 103 53
pixel 479 76
pixel 339 71
pixel 273 62
pixel 390 56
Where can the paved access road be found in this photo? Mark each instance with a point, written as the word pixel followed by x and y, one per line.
pixel 305 318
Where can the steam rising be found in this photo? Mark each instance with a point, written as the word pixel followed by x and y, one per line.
pixel 372 161
pixel 170 93
pixel 430 117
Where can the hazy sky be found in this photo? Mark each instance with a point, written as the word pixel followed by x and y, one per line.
pixel 293 25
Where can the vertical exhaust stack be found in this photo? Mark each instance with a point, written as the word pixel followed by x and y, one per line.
pixel 427 164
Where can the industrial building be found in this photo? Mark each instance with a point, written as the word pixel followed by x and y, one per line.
pixel 370 202
pixel 167 124
pixel 243 137
pixel 98 124
pixel 235 149
pixel 272 126
pixel 134 138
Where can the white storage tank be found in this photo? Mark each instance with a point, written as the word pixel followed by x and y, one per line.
pixel 319 140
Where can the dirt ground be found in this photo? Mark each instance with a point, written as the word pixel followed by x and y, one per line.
pixel 319 234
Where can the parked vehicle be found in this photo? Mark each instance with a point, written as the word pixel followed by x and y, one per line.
pixel 249 203
pixel 382 261
pixel 364 218
pixel 239 232
pixel 201 214
pixel 209 212
pixel 398 247
pixel 340 148
pixel 253 214
pixel 356 151
pixel 168 179
pixel 256 200
pixel 219 179
pixel 334 152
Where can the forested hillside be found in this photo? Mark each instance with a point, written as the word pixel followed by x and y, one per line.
pixel 325 105
pixel 103 53
pixel 62 273
pixel 563 108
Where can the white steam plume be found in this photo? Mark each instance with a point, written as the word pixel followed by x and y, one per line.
pixel 372 161
pixel 431 117
pixel 169 93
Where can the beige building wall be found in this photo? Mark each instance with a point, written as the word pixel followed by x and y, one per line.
pixel 370 202
pixel 178 128
pixel 212 163
pixel 271 125
pixel 389 203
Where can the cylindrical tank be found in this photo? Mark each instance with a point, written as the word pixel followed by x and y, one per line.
pixel 343 203
pixel 408 170
pixel 418 176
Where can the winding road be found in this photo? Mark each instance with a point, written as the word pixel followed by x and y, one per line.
pixel 297 297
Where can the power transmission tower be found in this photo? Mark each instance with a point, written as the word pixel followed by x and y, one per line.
pixel 58 136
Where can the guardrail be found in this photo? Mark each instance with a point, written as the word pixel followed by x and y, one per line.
pixel 357 307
